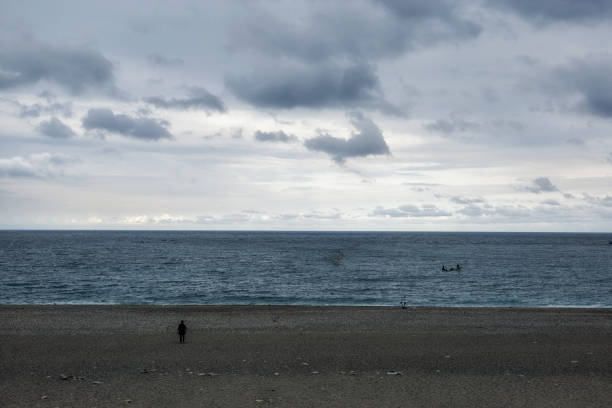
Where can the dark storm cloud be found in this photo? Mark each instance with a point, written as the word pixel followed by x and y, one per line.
pixel 278 136
pixel 139 128
pixel 547 11
pixel 365 30
pixel 199 98
pixel 409 210
pixel 541 185
pixel 56 129
pixel 433 21
pixel 310 87
pixel 590 79
pixel 73 69
pixel 159 60
pixel 367 141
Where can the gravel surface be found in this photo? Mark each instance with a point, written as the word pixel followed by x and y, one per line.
pixel 241 356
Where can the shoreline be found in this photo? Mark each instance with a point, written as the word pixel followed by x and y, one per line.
pixel 44 319
pixel 296 356
pixel 220 307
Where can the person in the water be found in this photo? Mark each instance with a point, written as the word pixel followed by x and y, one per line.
pixel 444 268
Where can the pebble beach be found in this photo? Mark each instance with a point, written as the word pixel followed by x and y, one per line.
pixel 298 356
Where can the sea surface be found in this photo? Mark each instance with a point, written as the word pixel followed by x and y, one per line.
pixel 305 268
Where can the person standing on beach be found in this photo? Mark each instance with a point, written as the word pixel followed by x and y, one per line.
pixel 181 330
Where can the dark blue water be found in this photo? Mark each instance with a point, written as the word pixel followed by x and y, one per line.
pixel 312 268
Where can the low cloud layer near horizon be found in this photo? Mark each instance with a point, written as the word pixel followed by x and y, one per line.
pixel 373 114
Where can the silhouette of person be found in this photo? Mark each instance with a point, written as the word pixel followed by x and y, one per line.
pixel 444 268
pixel 181 330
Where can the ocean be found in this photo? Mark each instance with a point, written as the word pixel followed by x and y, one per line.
pixel 306 268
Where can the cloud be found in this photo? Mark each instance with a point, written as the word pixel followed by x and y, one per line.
pixel 549 11
pixel 589 78
pixel 159 60
pixel 35 110
pixel 311 87
pixel 245 216
pixel 551 202
pixel 609 158
pixel 367 141
pixel 74 69
pixel 278 136
pixel 465 200
pixel 199 98
pixel 56 129
pixel 39 166
pixel 497 213
pixel 409 210
pixel 230 133
pixel 139 128
pixel 575 141
pixel 599 201
pixel 364 31
pixel 451 126
pixel 309 216
pixel 472 210
pixel 541 185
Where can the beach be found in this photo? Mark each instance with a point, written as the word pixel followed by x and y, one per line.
pixel 302 356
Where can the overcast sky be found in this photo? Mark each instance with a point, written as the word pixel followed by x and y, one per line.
pixel 492 115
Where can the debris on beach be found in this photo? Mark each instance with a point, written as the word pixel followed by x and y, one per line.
pixel 148 370
pixel 71 377
pixel 394 373
pixel 314 372
pixel 96 382
pixel 209 374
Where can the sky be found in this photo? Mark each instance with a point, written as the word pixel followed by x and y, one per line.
pixel 412 115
